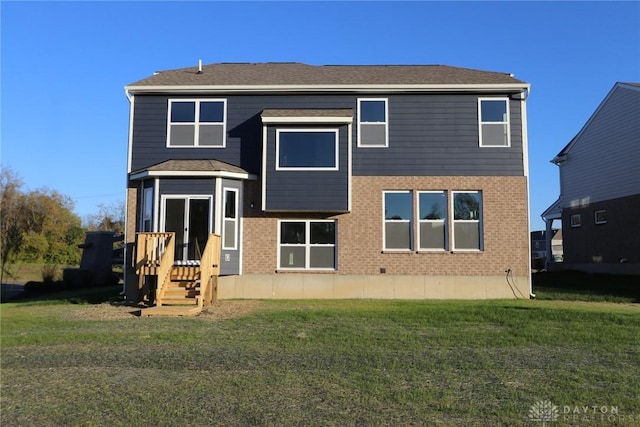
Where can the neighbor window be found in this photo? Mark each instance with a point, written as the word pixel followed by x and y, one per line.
pixel 432 220
pixel 230 226
pixel 493 119
pixel 467 220
pixel 197 123
pixel 307 245
pixel 397 220
pixel 600 217
pixel 373 123
pixel 304 149
pixel 576 220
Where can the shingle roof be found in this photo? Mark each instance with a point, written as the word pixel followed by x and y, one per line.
pixel 203 165
pixel 277 74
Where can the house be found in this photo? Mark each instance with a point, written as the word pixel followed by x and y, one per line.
pixel 335 181
pixel 539 248
pixel 599 197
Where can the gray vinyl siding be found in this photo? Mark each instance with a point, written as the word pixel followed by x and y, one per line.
pixel 187 186
pixel 429 134
pixel 438 135
pixel 323 191
pixel 232 265
pixel 603 162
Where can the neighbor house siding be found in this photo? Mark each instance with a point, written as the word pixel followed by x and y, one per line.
pixel 602 164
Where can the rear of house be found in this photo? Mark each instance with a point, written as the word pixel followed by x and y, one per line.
pixel 336 181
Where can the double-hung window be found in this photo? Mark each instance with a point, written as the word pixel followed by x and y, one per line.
pixel 467 221
pixel 373 122
pixel 493 120
pixel 397 220
pixel 197 123
pixel 432 211
pixel 230 226
pixel 307 245
pixel 307 149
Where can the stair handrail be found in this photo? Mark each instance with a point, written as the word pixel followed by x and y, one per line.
pixel 156 250
pixel 209 267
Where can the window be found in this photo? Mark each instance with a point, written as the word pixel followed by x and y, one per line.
pixel 576 220
pixel 600 216
pixel 305 149
pixel 230 226
pixel 397 220
pixel 432 220
pixel 467 212
pixel 373 123
pixel 493 119
pixel 197 123
pixel 147 209
pixel 307 245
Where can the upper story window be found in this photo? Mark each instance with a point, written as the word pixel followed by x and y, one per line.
pixel 306 149
pixel 373 122
pixel 493 120
pixel 197 123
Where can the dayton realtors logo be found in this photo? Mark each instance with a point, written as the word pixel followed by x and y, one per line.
pixel 544 411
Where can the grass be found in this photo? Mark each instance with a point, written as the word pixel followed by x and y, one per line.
pixel 578 286
pixel 346 362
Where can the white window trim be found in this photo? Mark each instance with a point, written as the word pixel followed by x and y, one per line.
pixel 386 123
pixel 306 245
pixel 578 223
pixel 234 220
pixel 507 122
pixel 385 221
pixel 318 130
pixel 147 207
pixel 595 217
pixel 197 123
pixel 455 221
pixel 442 221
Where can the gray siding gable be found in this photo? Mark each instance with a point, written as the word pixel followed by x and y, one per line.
pixel 601 163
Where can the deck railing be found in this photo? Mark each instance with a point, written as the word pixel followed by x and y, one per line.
pixel 209 271
pixel 154 256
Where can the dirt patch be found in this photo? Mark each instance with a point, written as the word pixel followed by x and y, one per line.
pixel 220 310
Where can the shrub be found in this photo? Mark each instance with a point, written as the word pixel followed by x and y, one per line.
pixel 49 273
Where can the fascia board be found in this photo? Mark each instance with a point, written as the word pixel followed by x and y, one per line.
pixel 212 89
pixel 283 120
pixel 192 174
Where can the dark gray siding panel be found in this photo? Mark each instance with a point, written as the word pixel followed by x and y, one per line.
pixel 230 260
pixel 325 191
pixel 437 134
pixel 429 134
pixel 187 186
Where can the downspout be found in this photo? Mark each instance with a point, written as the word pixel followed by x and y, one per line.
pixel 130 98
pixel 525 161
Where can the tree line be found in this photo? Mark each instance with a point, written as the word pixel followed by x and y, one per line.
pixel 40 226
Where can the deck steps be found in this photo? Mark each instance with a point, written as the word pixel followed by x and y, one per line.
pixel 171 311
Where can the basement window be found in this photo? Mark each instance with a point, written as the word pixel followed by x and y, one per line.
pixel 600 216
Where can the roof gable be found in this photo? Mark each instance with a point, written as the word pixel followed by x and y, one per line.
pixel 561 156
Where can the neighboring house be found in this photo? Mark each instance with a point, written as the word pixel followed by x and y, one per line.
pixel 539 248
pixel 336 181
pixel 599 203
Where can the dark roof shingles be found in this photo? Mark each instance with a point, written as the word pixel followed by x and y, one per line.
pixel 275 74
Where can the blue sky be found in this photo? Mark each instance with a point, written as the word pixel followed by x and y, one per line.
pixel 64 115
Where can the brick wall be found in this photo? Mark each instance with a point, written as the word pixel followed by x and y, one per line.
pixel 505 230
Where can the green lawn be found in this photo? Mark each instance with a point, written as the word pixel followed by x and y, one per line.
pixel 365 363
